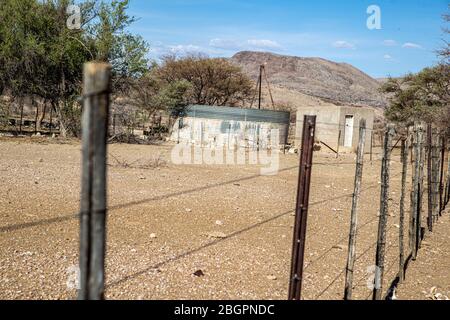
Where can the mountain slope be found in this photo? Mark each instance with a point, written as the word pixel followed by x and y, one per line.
pixel 334 82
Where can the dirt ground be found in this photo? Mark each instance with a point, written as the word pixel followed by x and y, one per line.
pixel 166 221
pixel 429 277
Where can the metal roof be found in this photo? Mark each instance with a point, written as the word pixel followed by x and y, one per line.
pixel 237 114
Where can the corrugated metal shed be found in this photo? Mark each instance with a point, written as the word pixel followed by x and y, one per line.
pixel 235 127
pixel 238 114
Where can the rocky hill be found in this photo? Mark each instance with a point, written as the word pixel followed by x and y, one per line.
pixel 337 83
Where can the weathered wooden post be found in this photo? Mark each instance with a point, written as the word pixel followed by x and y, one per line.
pixel 384 208
pixel 405 150
pixel 21 115
pixel 354 213
pixel 414 194
pixel 36 114
pixel 441 176
pixel 430 175
pixel 96 87
pixel 304 180
pixel 371 146
pixel 420 230
pixel 436 163
pixel 51 117
pixel 447 194
pixel 338 144
pixel 411 147
pixel 416 197
pixel 286 137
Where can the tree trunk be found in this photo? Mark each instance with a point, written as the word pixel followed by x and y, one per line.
pixel 35 104
pixel 41 118
pixel 62 128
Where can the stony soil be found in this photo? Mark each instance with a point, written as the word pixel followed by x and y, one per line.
pixel 429 277
pixel 166 222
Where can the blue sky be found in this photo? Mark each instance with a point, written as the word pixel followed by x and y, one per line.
pixel 411 30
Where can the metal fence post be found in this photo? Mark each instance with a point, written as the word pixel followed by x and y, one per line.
pixel 304 180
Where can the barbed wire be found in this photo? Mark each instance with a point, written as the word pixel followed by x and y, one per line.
pixel 330 249
pixel 343 126
pixel 372 246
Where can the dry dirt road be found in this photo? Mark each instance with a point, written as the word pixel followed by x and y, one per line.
pixel 167 222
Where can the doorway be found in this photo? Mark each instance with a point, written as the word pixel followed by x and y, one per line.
pixel 348 133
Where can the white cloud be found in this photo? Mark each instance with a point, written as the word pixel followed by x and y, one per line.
pixel 343 45
pixel 158 49
pixel 410 45
pixel 261 44
pixel 183 49
pixel 390 43
pixel 227 44
pixel 252 44
pixel 387 57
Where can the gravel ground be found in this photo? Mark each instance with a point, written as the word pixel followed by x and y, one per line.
pixel 167 222
pixel 428 277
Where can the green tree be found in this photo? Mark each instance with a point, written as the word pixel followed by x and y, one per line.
pixel 214 81
pixel 41 57
pixel 424 96
pixel 150 94
pixel 112 43
pixel 445 51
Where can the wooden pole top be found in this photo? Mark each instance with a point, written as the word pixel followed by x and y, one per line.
pixel 96 78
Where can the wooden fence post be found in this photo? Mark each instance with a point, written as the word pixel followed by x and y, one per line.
pixel 36 114
pixel 304 180
pixel 51 117
pixel 96 87
pixel 420 230
pixel 371 146
pixel 416 212
pixel 430 176
pixel 21 102
pixel 447 194
pixel 405 151
pixel 441 176
pixel 384 207
pixel 436 172
pixel 338 144
pixel 414 192
pixel 354 213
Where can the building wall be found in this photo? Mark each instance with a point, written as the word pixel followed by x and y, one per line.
pixel 327 124
pixel 330 125
pixel 358 113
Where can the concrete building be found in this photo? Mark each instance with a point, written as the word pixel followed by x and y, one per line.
pixel 337 126
pixel 212 126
